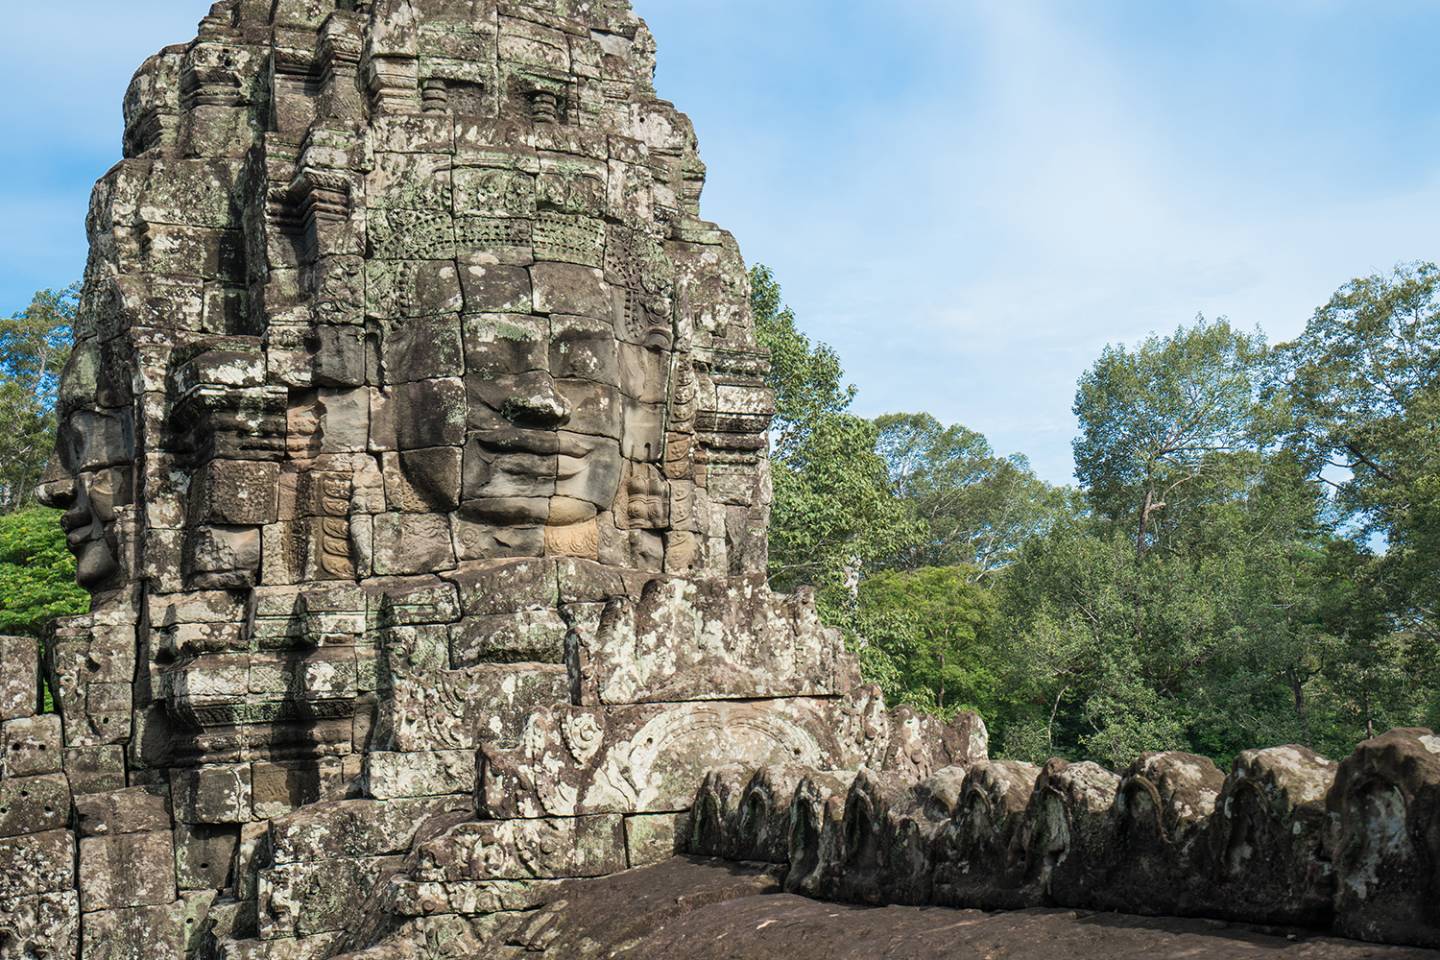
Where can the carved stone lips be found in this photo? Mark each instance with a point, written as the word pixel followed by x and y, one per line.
pixel 543 443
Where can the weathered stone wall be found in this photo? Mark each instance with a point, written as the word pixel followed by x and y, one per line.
pixel 413 450
pixel 1287 838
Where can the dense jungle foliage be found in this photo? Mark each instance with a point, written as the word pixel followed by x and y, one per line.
pixel 1251 556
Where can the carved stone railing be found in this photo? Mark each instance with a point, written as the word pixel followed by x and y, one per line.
pixel 1288 838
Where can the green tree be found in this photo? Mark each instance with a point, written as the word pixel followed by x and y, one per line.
pixel 1363 386
pixel 976 508
pixel 834 513
pixel 37 573
pixel 935 625
pixel 1236 613
pixel 807 378
pixel 33 348
pixel 1151 419
pixel 1089 634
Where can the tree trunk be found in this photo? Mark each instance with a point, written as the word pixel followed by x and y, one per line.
pixel 940 694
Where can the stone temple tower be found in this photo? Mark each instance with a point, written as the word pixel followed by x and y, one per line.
pixel 413 450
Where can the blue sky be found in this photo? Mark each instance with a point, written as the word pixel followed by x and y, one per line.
pixel 967 199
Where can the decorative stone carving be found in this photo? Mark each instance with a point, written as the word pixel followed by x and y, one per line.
pixel 413 450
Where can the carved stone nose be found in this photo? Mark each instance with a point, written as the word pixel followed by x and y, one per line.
pixel 537 404
pixel 56 494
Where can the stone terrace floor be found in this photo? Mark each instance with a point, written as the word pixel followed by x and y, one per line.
pixel 704 910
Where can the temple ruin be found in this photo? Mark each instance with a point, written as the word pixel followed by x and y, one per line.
pixel 413 450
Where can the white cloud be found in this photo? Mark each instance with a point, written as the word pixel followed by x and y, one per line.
pixel 977 264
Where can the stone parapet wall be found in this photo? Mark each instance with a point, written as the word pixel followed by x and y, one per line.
pixel 1287 838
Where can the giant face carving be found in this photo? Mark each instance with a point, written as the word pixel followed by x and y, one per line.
pixel 562 409
pixel 89 475
pixel 554 408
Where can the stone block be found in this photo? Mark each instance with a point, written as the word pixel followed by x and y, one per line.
pixel 95 769
pixel 716 810
pixel 36 863
pixel 421 348
pixel 83 657
pixel 1155 846
pixel 205 855
pixel 506 586
pixel 216 793
pixel 251 852
pixel 19 677
pixel 357 828
pixel 391 776
pixel 1064 830
pixel 496 288
pixel 128 870
pixel 235 493
pixel 203 683
pixel 973 865
pixel 1267 837
pixel 31 745
pixel 1382 837
pixel 525 636
pixel 654 837
pixel 432 708
pixel 107 714
pixel 34 804
pixel 410 543
pixel 551 848
pixel 197 905
pixel 303 899
pixel 422 481
pixel 143 809
pixel 429 413
pixel 224 558
pixel 135 933
pixel 761 831
pixel 338 355
pixel 232 922
pixel 304 675
pixel 474 898
pixel 410 601
pixel 279 788
pixel 585 581
pixel 573 761
pixel 710 640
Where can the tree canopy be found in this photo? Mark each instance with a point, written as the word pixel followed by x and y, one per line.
pixel 1250 557
pixel 33 347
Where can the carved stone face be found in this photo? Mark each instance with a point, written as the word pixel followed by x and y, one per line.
pixel 561 409
pixel 542 441
pixel 89 476
pixel 89 504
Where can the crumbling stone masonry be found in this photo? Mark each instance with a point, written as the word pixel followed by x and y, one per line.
pixel 413 450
